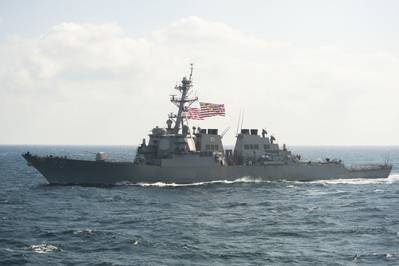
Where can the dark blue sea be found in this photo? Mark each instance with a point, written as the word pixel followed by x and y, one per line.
pixel 245 222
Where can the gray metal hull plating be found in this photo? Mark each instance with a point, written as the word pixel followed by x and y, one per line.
pixel 67 171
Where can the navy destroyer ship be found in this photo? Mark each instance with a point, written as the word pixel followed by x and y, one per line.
pixel 179 154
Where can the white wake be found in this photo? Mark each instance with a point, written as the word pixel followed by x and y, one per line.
pixel 246 179
pixel 394 178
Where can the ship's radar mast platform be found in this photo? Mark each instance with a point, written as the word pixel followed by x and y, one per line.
pixel 183 101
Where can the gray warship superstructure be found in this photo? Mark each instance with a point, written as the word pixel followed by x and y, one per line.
pixel 178 154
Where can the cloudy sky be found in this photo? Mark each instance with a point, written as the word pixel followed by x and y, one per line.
pixel 101 72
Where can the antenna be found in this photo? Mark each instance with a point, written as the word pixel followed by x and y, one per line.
pixel 191 70
pixel 224 132
pixel 238 122
pixel 242 118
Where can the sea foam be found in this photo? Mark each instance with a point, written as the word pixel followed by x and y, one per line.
pixel 42 248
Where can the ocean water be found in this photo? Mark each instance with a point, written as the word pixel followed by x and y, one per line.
pixel 245 222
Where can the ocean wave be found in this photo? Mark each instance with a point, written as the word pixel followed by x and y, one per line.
pixel 311 192
pixel 42 248
pixel 84 232
pixel 385 256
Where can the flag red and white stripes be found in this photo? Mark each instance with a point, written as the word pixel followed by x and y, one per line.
pixel 212 109
pixel 193 113
pixel 205 110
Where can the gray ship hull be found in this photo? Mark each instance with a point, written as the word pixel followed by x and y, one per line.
pixel 59 170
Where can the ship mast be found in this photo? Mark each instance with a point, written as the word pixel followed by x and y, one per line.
pixel 184 99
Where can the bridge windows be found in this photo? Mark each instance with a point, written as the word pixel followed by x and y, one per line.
pixel 251 146
pixel 212 147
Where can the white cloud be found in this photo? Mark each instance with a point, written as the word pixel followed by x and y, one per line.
pixel 89 83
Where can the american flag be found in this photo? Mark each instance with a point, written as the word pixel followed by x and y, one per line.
pixel 212 109
pixel 193 113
